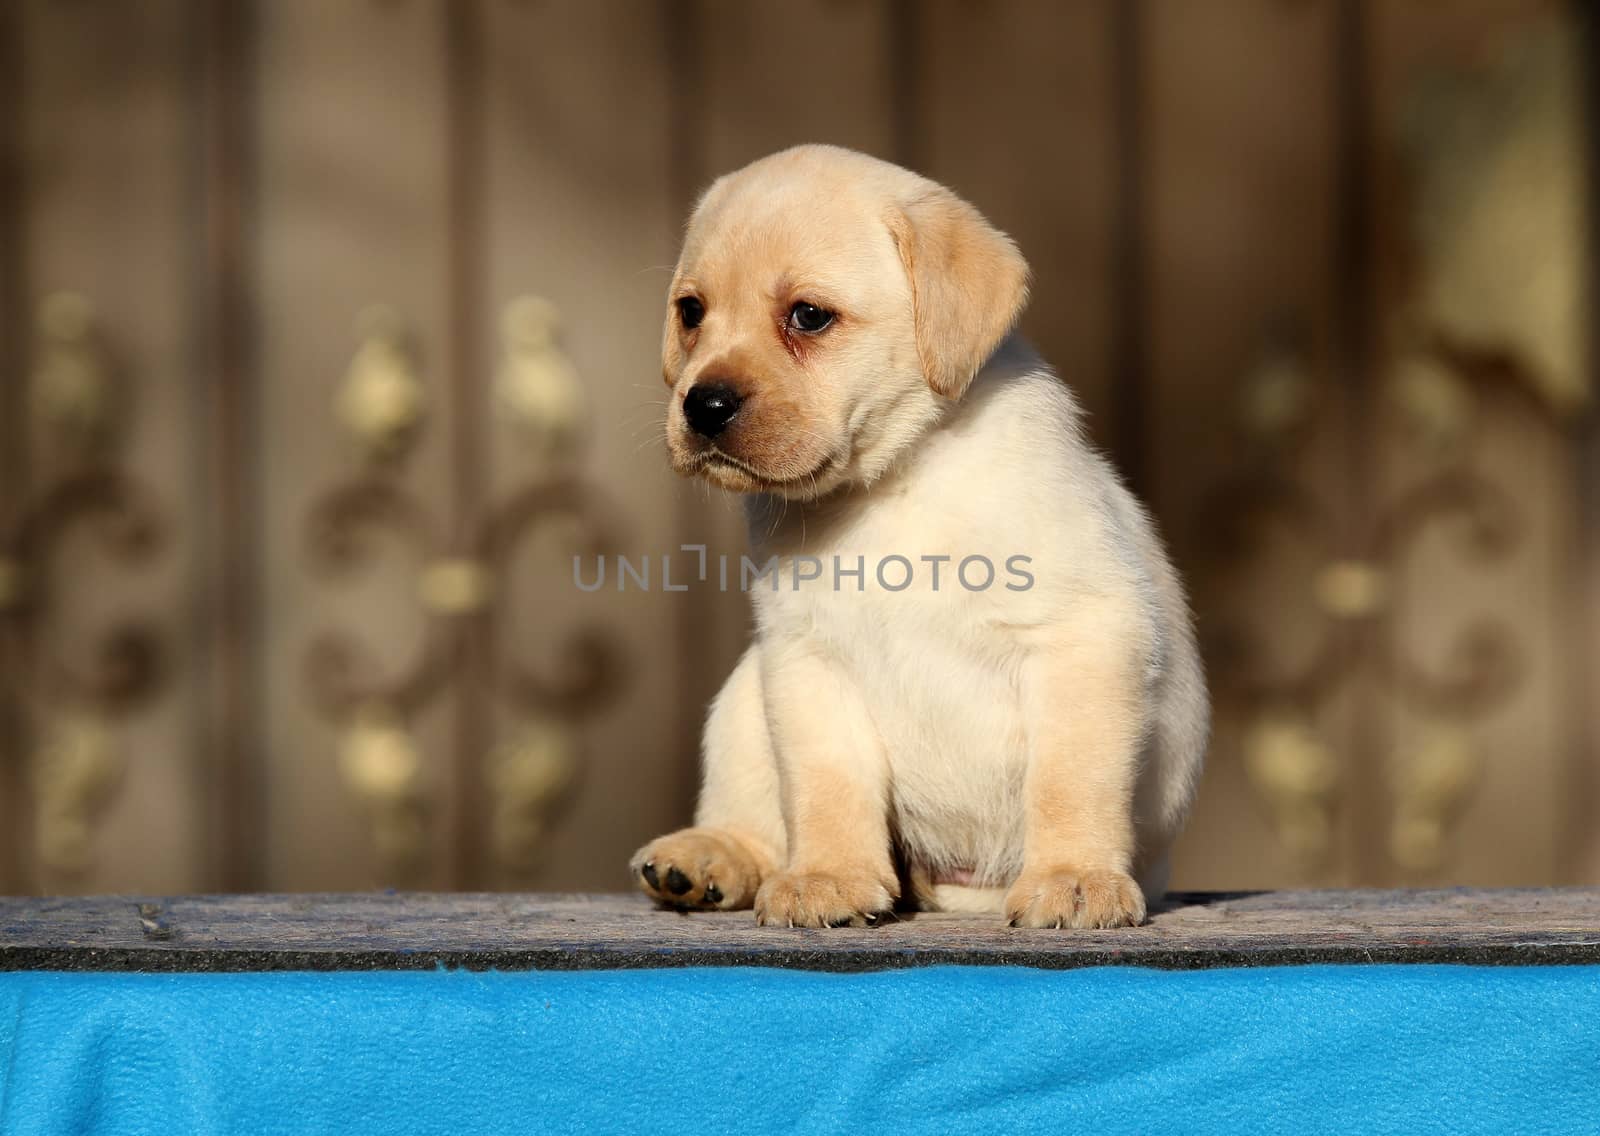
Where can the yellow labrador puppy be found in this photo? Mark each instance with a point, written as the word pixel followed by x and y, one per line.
pixel 974 681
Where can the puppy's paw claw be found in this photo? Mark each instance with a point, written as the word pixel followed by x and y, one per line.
pixel 813 899
pixel 697 869
pixel 1093 898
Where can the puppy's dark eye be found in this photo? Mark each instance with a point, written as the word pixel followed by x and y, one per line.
pixel 809 317
pixel 690 312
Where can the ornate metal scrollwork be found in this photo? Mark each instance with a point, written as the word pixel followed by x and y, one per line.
pixel 382 406
pixel 1488 292
pixel 538 387
pixel 1499 198
pixel 76 407
pixel 1356 589
pixel 380 402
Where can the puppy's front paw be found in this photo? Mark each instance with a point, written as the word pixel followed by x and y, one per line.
pixel 817 899
pixel 697 868
pixel 1098 897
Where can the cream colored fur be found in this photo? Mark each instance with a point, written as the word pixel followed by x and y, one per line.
pixel 1029 751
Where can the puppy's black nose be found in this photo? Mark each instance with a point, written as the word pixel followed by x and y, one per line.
pixel 710 408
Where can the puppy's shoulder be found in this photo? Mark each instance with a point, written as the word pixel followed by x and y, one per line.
pixel 1020 420
pixel 1030 461
pixel 1018 391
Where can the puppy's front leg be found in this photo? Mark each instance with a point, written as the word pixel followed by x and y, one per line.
pixel 834 780
pixel 1087 711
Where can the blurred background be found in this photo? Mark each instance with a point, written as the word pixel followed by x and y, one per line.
pixel 329 333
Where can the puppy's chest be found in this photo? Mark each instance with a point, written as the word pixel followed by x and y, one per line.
pixel 931 648
pixel 878 588
pixel 939 679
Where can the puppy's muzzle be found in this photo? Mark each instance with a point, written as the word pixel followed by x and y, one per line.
pixel 708 408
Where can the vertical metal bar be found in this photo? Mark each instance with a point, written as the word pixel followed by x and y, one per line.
pixel 1129 358
pixel 13 473
pixel 1352 360
pixel 682 39
pixel 1579 851
pixel 473 647
pixel 1351 255
pixel 227 451
pixel 1583 678
pixel 905 80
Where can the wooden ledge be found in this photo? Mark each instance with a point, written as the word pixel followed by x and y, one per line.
pixel 399 931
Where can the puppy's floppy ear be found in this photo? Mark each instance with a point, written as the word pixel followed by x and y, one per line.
pixel 969 284
pixel 671 352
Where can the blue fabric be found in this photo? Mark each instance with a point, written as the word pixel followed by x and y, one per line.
pixel 1411 1049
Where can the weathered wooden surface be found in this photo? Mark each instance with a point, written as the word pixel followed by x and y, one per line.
pixel 519 932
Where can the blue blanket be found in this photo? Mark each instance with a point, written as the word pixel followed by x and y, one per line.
pixel 1412 1049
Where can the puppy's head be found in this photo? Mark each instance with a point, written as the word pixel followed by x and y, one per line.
pixel 825 307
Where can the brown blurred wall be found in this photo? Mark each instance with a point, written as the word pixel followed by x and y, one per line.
pixel 287 491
